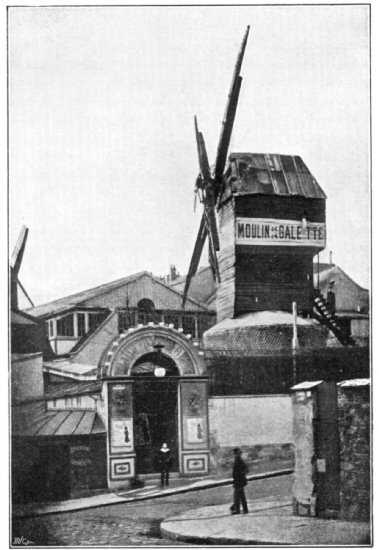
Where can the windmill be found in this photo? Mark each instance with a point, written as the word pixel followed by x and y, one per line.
pixel 15 265
pixel 208 186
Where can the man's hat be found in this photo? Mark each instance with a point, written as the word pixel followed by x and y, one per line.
pixel 236 451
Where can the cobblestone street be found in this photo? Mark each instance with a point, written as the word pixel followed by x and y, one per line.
pixel 131 524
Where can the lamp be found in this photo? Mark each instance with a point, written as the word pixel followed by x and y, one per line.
pixel 159 372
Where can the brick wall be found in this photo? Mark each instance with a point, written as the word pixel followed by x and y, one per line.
pixel 354 435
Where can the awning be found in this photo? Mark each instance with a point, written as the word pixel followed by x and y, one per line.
pixel 33 420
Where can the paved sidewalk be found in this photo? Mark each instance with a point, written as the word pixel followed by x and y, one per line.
pixel 268 522
pixel 151 490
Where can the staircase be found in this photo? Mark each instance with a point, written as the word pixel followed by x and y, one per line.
pixel 326 317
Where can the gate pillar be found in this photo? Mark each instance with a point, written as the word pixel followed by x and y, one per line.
pixel 193 426
pixel 121 454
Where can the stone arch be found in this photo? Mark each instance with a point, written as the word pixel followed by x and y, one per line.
pixel 124 351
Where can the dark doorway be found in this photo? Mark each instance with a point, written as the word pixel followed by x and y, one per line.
pixel 155 411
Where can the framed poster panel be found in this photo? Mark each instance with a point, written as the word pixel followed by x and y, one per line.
pixel 194 415
pixel 120 418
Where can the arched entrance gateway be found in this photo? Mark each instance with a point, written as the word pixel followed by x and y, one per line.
pixel 155 391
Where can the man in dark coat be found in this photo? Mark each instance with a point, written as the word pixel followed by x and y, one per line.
pixel 239 482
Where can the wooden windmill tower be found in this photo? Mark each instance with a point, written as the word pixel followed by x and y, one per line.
pixel 270 214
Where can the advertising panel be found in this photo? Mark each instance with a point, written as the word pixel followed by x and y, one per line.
pixel 271 232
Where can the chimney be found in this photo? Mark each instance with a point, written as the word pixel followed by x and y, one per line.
pixel 173 274
pixel 331 257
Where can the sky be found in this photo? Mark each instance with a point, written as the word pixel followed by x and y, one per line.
pixel 102 150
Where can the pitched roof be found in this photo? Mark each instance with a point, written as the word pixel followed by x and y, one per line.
pixel 202 286
pixel 21 318
pixel 271 174
pixel 68 302
pixel 32 419
pixel 68 369
pixel 65 304
pixel 349 295
pixel 56 391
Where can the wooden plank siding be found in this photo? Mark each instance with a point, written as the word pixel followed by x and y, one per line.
pixel 259 278
pixel 272 279
pixel 280 207
pixel 225 298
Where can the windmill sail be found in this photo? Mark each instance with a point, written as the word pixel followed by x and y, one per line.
pixel 210 187
pixel 15 265
pixel 196 255
pixel 229 116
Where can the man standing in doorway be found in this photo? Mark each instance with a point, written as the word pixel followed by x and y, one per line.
pixel 165 463
pixel 239 482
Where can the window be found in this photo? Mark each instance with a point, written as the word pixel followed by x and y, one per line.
pixel 69 401
pixel 65 326
pixel 146 305
pixel 94 320
pixel 146 313
pixel 189 325
pixel 125 320
pixel 145 318
pixel 171 319
pixel 50 327
pixel 81 324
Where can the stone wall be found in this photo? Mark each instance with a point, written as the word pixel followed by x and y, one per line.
pixel 354 434
pixel 332 472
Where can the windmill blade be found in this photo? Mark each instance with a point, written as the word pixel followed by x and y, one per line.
pixel 19 249
pixel 213 262
pixel 196 255
pixel 202 154
pixel 25 293
pixel 209 208
pixel 207 188
pixel 228 120
pixel 15 265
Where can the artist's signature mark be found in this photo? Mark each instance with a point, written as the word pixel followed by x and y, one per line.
pixel 21 541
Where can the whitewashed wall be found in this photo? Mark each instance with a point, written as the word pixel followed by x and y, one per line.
pixel 251 420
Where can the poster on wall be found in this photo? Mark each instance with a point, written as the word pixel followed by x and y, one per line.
pixel 195 430
pixel 194 398
pixel 121 435
pixel 194 410
pixel 120 400
pixel 120 418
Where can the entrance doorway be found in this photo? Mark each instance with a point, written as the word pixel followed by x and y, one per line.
pixel 155 412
